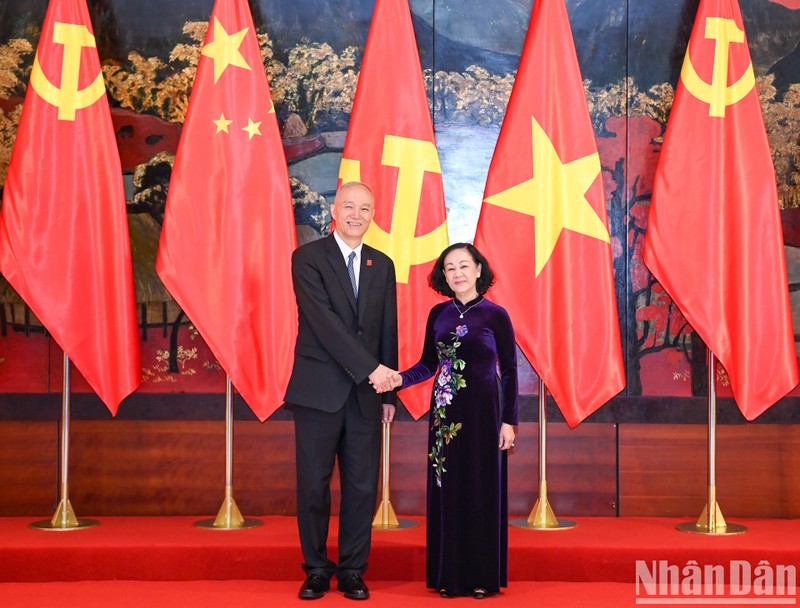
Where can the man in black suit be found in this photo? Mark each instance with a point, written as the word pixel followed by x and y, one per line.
pixel 346 341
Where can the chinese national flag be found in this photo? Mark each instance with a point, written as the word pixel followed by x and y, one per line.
pixel 390 146
pixel 543 225
pixel 229 231
pixel 64 244
pixel 714 234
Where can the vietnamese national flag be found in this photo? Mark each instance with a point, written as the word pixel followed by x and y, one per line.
pixel 543 225
pixel 229 231
pixel 714 236
pixel 64 244
pixel 390 147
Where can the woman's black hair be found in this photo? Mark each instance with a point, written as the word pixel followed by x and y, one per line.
pixel 438 282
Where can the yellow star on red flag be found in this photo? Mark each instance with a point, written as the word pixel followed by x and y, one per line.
pixel 555 196
pixel 252 128
pixel 225 49
pixel 222 123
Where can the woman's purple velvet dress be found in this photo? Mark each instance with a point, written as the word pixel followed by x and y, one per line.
pixel 467 511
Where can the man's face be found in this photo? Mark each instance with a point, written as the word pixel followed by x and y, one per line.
pixel 353 209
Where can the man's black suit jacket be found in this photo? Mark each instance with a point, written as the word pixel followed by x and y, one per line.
pixel 341 341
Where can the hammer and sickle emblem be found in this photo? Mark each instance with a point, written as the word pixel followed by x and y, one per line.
pixel 412 158
pixel 718 94
pixel 68 98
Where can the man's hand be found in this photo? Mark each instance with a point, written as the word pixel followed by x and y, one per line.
pixel 388 413
pixel 381 379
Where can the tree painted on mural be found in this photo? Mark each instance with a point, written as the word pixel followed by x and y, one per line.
pixel 782 118
pixel 627 119
pixel 16 59
pixel 475 96
pixel 652 322
pixel 318 85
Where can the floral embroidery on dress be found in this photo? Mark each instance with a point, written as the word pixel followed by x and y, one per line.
pixel 447 384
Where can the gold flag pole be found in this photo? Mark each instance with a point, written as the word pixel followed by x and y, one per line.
pixel 64 517
pixel 385 518
pixel 542 516
pixel 229 517
pixel 711 520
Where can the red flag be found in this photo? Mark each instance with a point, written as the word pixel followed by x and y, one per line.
pixel 543 224
pixel 714 234
pixel 229 231
pixel 64 244
pixel 391 147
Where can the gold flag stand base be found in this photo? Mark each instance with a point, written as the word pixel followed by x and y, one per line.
pixel 385 519
pixel 543 518
pixel 64 519
pixel 714 524
pixel 229 518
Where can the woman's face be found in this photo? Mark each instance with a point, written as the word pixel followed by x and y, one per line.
pixel 461 273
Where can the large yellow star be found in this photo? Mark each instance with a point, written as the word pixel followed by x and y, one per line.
pixel 225 49
pixel 555 196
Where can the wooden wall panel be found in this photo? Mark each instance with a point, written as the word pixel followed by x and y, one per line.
pixel 263 468
pixel 581 470
pixel 125 467
pixel 28 468
pixel 664 470
pixel 137 467
pixel 788 471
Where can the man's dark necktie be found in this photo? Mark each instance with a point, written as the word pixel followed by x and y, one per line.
pixel 352 272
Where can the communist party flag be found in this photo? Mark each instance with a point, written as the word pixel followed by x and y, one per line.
pixel 543 224
pixel 391 147
pixel 229 231
pixel 714 236
pixel 64 244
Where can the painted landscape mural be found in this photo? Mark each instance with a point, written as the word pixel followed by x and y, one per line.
pixel 630 53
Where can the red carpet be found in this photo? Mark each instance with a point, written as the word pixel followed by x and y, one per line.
pixel 261 594
pixel 167 561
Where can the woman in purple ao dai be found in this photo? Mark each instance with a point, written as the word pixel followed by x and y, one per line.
pixel 469 347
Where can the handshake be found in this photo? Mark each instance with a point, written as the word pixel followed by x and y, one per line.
pixel 385 379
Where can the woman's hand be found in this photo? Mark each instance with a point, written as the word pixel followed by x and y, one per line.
pixel 385 379
pixel 507 436
pixel 396 379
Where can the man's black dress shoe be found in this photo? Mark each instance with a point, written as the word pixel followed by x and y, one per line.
pixel 314 587
pixel 354 587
